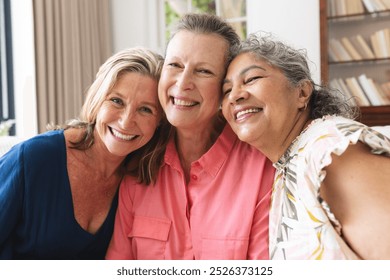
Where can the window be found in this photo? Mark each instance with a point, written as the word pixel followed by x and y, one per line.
pixel 233 11
pixel 7 109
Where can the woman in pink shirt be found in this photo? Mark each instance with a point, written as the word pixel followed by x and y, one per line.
pixel 212 193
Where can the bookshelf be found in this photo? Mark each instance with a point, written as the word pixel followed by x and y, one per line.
pixel 371 70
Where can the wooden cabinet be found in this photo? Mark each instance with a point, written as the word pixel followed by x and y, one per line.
pixel 377 68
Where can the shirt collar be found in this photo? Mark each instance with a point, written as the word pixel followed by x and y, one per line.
pixel 212 160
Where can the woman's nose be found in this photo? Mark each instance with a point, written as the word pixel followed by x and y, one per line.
pixel 237 94
pixel 127 118
pixel 185 80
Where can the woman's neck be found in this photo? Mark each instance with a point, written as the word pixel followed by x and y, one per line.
pixel 273 149
pixel 192 144
pixel 96 157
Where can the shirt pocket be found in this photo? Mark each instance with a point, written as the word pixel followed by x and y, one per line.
pixel 149 237
pixel 224 248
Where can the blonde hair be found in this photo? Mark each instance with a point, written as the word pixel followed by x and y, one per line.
pixel 144 162
pixel 138 60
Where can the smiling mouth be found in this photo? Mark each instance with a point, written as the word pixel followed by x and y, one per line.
pixel 122 136
pixel 243 113
pixel 183 103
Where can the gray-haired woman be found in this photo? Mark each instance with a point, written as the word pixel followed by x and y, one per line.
pixel 331 190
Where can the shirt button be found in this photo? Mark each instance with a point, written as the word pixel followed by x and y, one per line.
pixel 194 177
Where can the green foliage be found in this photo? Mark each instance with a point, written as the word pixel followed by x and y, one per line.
pixel 206 6
pixel 170 18
pixel 5 127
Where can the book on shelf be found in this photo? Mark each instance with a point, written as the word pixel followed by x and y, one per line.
pixel 355 6
pixel 385 97
pixel 339 51
pixel 375 46
pixel 339 84
pixel 386 3
pixel 356 90
pixel 385 88
pixel 351 49
pixel 331 8
pixel 332 55
pixel 370 90
pixel 369 6
pixel 362 46
pixel 373 6
pixel 384 40
pixel 378 5
pixel 341 8
pixel 362 91
pixel 345 7
pixel 380 41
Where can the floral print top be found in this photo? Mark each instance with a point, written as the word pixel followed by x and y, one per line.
pixel 301 224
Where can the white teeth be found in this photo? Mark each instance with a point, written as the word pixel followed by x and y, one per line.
pixel 183 103
pixel 247 111
pixel 123 136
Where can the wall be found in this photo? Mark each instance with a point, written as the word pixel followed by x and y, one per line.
pixel 296 22
pixel 141 23
pixel 137 23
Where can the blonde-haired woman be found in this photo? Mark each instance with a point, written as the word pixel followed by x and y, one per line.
pixel 59 189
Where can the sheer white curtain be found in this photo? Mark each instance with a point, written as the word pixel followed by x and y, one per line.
pixel 72 39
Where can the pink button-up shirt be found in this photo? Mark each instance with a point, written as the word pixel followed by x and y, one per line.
pixel 221 214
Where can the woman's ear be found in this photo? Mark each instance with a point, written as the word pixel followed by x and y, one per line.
pixel 305 91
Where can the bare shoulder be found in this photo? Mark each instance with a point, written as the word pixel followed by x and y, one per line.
pixel 359 166
pixel 357 190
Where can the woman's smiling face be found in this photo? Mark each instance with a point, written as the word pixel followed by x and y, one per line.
pixel 259 102
pixel 130 114
pixel 190 83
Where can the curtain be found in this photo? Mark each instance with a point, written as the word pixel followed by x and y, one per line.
pixel 72 40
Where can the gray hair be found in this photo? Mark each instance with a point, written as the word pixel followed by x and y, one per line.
pixel 209 24
pixel 294 65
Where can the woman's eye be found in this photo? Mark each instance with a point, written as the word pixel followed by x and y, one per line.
pixel 146 110
pixel 204 71
pixel 251 79
pixel 226 91
pixel 117 101
pixel 173 64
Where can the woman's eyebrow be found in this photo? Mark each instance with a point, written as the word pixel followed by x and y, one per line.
pixel 243 71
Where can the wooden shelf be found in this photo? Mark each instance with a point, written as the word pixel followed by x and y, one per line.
pixel 370 115
pixel 361 16
pixel 375 115
pixel 362 61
